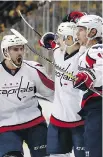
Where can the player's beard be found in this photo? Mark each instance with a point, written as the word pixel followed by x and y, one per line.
pixel 18 61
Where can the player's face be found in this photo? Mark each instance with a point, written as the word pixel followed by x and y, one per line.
pixel 16 53
pixel 82 35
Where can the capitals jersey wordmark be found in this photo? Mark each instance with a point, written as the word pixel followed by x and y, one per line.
pixel 9 90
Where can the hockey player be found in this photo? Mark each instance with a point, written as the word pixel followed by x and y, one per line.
pixel 91 75
pixel 20 113
pixel 66 126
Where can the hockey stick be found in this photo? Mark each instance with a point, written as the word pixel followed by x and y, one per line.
pixel 52 63
pixel 34 51
pixel 28 23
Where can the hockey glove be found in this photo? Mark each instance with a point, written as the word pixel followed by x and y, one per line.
pixel 73 16
pixel 47 41
pixel 83 81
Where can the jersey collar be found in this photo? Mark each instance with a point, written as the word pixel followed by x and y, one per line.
pixel 10 71
pixel 67 56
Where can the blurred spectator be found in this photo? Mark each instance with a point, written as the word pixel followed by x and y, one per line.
pixel 21 6
pixel 9 10
pixel 2 27
pixel 13 16
pixel 9 14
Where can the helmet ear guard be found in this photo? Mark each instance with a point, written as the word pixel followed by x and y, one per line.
pixel 5 53
pixel 92 33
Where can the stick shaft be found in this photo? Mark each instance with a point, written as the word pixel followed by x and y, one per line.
pixel 29 24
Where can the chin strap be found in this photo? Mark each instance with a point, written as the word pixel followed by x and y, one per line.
pixel 8 57
pixel 14 64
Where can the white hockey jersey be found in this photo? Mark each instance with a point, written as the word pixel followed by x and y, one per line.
pixel 19 108
pixel 91 62
pixel 67 99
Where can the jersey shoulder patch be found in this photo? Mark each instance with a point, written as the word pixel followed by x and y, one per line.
pixel 96 51
pixel 93 54
pixel 32 63
pixel 97 46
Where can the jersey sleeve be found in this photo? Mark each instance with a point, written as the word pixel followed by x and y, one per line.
pixel 94 63
pixel 44 85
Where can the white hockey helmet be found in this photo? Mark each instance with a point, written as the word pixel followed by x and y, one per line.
pixel 90 22
pixel 10 40
pixel 66 29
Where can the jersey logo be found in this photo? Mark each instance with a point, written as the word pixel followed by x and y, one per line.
pixel 18 90
pixel 65 76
